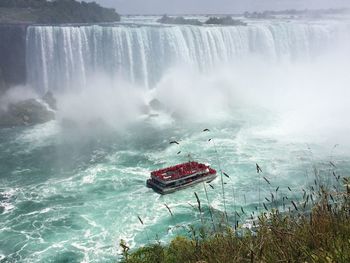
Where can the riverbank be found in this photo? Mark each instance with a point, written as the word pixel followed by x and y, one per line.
pixel 320 235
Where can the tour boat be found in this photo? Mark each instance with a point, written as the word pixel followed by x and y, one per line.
pixel 174 178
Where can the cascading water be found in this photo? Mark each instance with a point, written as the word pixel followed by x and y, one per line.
pixel 69 193
pixel 62 58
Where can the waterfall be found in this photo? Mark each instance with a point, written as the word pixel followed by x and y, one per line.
pixel 61 58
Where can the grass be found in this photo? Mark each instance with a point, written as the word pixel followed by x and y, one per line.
pixel 313 228
pixel 319 234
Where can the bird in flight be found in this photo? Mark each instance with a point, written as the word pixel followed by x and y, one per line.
pixel 174 142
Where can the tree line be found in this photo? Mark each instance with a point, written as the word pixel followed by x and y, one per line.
pixel 64 11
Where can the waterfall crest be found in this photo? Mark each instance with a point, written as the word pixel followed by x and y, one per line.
pixel 62 58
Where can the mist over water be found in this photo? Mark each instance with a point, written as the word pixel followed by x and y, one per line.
pixel 111 72
pixel 274 93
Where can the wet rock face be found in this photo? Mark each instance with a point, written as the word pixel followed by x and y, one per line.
pixel 3 85
pixel 12 56
pixel 156 105
pixel 25 113
pixel 50 100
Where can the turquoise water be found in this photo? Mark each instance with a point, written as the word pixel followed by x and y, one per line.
pixel 70 196
pixel 273 93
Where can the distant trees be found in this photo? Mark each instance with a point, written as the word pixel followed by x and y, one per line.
pixel 178 21
pixel 23 3
pixel 64 11
pixel 225 21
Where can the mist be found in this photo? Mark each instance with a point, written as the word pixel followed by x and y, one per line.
pixel 16 94
pixel 102 105
pixel 291 76
pixel 112 102
pixel 302 101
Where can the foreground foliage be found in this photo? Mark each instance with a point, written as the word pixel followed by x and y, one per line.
pixel 321 235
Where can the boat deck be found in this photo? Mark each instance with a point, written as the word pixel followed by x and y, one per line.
pixel 174 178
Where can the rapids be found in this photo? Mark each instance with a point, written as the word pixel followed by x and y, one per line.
pixel 273 93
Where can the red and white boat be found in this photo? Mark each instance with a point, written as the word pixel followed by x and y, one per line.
pixel 174 178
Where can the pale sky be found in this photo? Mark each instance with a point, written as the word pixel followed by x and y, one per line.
pixel 214 6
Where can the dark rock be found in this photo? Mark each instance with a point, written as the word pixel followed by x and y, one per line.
pixel 12 56
pixel 50 100
pixel 3 86
pixel 153 105
pixel 156 105
pixel 24 113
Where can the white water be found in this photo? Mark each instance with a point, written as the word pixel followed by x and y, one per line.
pixel 63 58
pixel 274 93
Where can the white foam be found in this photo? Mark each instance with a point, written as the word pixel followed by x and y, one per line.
pixel 39 135
pixel 7 202
pixel 89 179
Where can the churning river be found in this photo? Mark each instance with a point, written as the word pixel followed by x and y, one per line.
pixel 274 93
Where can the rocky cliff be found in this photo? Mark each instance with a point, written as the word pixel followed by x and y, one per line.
pixel 12 55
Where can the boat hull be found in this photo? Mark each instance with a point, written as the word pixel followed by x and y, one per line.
pixel 168 190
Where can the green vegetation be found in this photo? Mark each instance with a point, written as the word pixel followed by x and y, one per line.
pixel 320 233
pixel 54 12
pixel 224 21
pixel 178 21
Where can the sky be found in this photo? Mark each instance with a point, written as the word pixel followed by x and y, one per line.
pixel 215 6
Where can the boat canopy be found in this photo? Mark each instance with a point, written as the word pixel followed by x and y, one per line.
pixel 181 171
